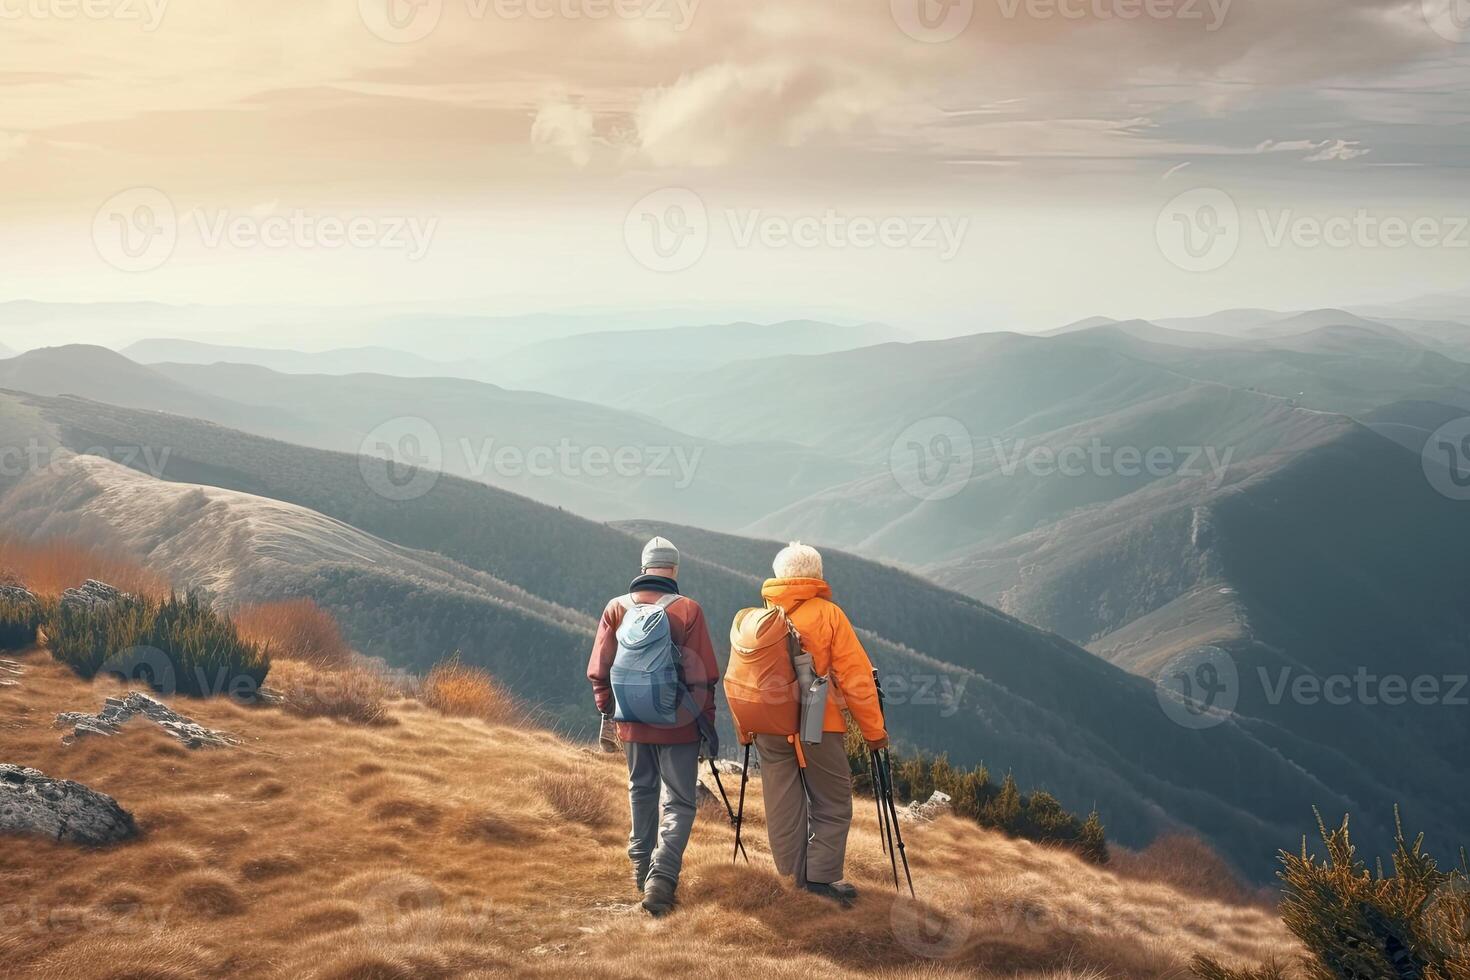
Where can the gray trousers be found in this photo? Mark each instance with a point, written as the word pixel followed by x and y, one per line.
pixel 667 775
pixel 807 825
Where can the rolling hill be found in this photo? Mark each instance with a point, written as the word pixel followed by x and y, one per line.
pixel 351 360
pixel 598 461
pixel 612 367
pixel 977 684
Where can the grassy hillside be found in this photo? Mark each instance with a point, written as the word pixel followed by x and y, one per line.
pixel 981 686
pixel 433 847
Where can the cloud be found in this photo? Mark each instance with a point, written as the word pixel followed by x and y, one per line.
pixel 1339 150
pixel 717 114
pixel 566 128
pixel 1318 151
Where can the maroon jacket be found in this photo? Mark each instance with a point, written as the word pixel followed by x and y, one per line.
pixel 691 635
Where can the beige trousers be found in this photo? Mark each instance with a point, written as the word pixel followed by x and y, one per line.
pixel 807 825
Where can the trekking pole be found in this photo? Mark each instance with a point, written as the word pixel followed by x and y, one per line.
pixel 898 831
pixel 885 824
pixel 734 822
pixel 878 802
pixel 740 816
pixel 884 763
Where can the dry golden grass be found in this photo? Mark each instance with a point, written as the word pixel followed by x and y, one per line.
pixel 433 849
pixel 350 692
pixel 460 691
pixel 579 796
pixel 1192 866
pixel 53 566
pixel 297 629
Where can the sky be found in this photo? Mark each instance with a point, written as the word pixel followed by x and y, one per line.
pixel 942 165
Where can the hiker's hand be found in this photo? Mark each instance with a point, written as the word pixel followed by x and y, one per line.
pixel 608 737
pixel 877 744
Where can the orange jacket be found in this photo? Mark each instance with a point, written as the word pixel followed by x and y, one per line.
pixel 836 651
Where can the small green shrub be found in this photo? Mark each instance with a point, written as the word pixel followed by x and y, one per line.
pixel 1356 923
pixel 1038 817
pixel 19 620
pixel 177 644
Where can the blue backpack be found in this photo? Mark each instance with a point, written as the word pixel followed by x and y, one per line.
pixel 647 674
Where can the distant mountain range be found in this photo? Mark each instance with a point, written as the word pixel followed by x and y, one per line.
pixel 515 585
pixel 353 360
pixel 598 461
pixel 611 367
pixel 1249 486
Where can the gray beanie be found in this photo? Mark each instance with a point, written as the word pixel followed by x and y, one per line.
pixel 660 553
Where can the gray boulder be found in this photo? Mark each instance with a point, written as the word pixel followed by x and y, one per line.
pixel 938 805
pixel 16 593
pixel 33 803
pixel 92 593
pixel 117 712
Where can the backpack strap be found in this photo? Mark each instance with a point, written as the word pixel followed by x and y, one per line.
pixel 629 603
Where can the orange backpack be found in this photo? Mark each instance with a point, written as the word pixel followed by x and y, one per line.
pixel 760 683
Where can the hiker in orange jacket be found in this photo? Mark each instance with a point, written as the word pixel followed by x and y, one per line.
pixel 809 839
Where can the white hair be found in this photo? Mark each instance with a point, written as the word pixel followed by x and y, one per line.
pixel 798 560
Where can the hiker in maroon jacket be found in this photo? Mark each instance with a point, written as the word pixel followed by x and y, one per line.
pixel 663 760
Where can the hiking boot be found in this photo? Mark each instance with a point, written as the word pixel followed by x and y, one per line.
pixel 840 892
pixel 640 876
pixel 658 896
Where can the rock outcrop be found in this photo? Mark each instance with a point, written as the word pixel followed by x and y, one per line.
pixel 33 803
pixel 16 593
pixel 92 593
pixel 935 807
pixel 117 712
pixel 9 671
